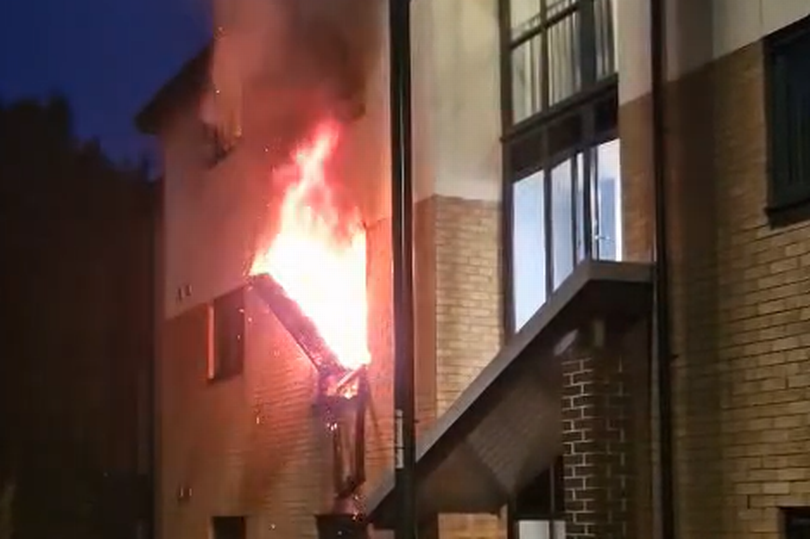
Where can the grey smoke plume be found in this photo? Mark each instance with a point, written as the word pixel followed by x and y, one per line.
pixel 280 65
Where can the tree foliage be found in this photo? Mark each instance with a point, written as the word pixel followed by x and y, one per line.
pixel 76 289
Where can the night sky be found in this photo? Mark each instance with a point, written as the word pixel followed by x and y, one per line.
pixel 107 56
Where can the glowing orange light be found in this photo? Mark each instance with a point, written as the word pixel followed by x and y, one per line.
pixel 319 253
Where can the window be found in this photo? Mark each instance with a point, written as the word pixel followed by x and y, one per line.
pixel 529 247
pixel 607 202
pixel 217 146
pixel 560 148
pixel 228 528
pixel 796 522
pixel 539 509
pixel 787 57
pixel 221 126
pixel 561 215
pixel 557 48
pixel 226 346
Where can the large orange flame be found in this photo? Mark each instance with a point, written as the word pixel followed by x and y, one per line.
pixel 319 253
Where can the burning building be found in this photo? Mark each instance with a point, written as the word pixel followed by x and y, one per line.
pixel 591 331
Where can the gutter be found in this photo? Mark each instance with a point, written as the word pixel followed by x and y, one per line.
pixel 662 345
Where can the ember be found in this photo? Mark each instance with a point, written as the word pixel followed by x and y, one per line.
pixel 319 254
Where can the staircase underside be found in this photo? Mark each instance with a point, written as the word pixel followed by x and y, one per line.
pixel 505 428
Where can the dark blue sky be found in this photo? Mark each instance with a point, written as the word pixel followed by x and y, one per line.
pixel 107 56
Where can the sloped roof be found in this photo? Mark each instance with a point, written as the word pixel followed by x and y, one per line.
pixel 185 83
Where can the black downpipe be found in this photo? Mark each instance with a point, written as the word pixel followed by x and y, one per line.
pixel 399 13
pixel 663 346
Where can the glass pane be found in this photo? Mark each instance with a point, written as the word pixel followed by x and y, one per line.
pixel 563 59
pixel 528 248
pixel 608 202
pixel 605 32
pixel 524 15
pixel 527 79
pixel 562 222
pixel 579 175
pixel 540 529
pixel 534 529
pixel 554 7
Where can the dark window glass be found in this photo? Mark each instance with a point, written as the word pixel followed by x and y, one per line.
pixel 226 357
pixel 228 528
pixel 543 498
pixel 787 56
pixel 797 522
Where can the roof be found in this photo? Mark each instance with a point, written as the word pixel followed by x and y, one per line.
pixel 185 83
pixel 505 428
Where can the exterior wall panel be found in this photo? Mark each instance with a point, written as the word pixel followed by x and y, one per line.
pixel 699 32
pixel 739 304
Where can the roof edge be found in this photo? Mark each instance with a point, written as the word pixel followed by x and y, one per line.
pixel 184 83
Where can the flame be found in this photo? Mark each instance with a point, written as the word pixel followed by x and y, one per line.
pixel 319 253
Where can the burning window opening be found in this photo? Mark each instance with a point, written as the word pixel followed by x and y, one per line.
pixel 313 278
pixel 222 129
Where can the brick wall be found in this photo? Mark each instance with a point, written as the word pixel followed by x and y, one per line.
pixel 249 445
pixel 468 293
pixel 458 310
pixel 741 306
pixel 252 445
pixel 597 463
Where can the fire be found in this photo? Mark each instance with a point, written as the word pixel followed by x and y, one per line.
pixel 319 253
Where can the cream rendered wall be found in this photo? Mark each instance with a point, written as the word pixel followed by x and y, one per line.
pixel 457 118
pixel 216 218
pixel 699 31
pixel 211 218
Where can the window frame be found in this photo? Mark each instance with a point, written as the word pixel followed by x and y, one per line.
pixel 221 526
pixel 216 148
pixel 786 204
pixel 547 493
pixel 217 369
pixel 594 131
pixel 590 84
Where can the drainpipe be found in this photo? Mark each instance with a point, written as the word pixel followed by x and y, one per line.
pixel 662 348
pixel 402 246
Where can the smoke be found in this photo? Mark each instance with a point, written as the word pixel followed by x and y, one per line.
pixel 279 66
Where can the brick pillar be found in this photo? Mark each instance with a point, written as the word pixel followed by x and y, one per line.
pixel 595 447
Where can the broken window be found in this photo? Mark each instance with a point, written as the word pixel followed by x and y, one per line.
pixel 220 112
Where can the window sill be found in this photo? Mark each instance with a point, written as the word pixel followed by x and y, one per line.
pixel 602 89
pixel 787 214
pixel 220 378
